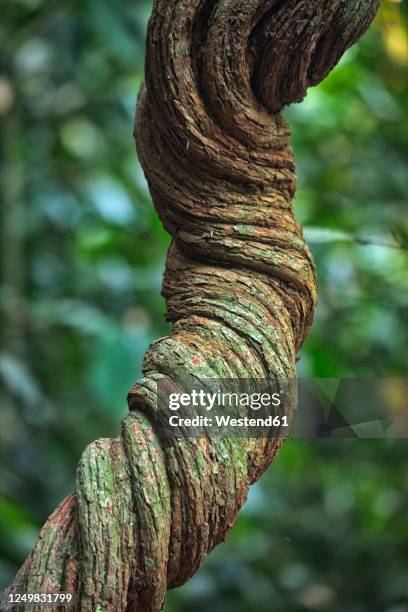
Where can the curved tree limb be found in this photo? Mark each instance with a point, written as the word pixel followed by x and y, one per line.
pixel 239 284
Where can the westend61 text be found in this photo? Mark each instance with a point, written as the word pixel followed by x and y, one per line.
pixel 228 421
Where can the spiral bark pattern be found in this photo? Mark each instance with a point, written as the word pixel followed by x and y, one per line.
pixel 239 285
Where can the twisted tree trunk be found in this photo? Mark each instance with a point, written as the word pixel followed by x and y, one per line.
pixel 239 285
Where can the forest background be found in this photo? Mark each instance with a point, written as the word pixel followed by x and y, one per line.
pixel 81 260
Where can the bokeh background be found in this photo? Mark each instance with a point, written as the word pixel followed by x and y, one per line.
pixel 82 255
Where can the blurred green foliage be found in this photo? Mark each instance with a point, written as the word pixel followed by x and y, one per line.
pixel 82 254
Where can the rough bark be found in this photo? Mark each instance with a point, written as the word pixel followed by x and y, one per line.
pixel 239 284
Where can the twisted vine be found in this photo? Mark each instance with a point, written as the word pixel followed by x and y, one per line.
pixel 239 285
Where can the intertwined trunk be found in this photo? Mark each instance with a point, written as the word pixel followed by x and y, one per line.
pixel 239 285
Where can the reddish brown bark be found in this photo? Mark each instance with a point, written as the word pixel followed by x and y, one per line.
pixel 239 285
